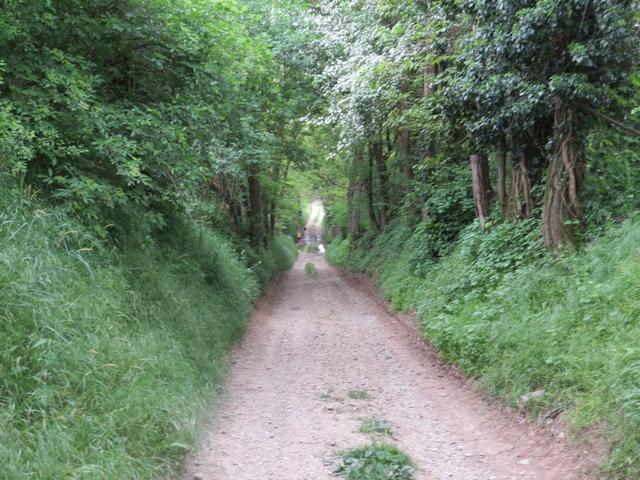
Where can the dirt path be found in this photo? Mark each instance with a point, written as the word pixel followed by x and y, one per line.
pixel 313 228
pixel 287 410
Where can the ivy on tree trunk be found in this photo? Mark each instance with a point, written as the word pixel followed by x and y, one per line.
pixel 562 207
pixel 482 191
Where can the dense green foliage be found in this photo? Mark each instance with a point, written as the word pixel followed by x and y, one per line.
pixel 487 178
pixel 108 360
pixel 479 158
pixel 523 91
pixel 127 112
pixel 143 147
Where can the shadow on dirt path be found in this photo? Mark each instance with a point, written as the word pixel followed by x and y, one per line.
pixel 291 404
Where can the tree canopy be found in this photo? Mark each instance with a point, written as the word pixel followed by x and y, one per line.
pixel 127 111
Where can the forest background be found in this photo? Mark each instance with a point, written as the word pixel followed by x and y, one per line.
pixel 478 159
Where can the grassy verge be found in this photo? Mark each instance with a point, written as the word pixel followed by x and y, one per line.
pixel 521 321
pixel 108 361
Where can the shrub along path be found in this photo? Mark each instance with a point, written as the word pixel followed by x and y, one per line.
pixel 323 360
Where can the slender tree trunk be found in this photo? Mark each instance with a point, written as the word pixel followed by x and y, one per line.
pixel 403 140
pixel 562 209
pixel 383 183
pixel 285 175
pixel 273 201
pixel 427 88
pixel 528 205
pixel 502 176
pixel 353 196
pixel 520 202
pixel 486 178
pixel 513 200
pixel 265 225
pixel 370 197
pixel 404 157
pixel 229 204
pixel 255 205
pixel 482 191
pixel 427 77
pixel 272 218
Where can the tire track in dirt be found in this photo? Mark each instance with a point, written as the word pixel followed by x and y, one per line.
pixel 286 411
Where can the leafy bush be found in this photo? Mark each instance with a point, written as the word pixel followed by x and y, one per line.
pixel 376 462
pixel 614 172
pixel 446 198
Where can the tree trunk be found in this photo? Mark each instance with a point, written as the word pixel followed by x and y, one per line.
pixel 255 206
pixel 427 87
pixel 265 225
pixel 486 178
pixel 427 77
pixel 383 183
pixel 520 203
pixel 562 208
pixel 229 204
pixel 370 197
pixel 273 201
pixel 404 157
pixel 482 191
pixel 353 196
pixel 502 176
pixel 272 218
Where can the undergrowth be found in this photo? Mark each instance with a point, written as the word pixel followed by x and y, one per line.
pixel 310 269
pixel 521 320
pixel 108 359
pixel 376 462
pixel 376 426
pixel 359 394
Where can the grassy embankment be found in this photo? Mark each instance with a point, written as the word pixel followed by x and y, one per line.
pixel 520 321
pixel 108 360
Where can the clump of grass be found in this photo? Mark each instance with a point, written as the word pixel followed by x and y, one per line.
pixel 284 252
pixel 311 270
pixel 329 396
pixel 376 462
pixel 278 256
pixel 376 426
pixel 107 360
pixel 338 252
pixel 359 394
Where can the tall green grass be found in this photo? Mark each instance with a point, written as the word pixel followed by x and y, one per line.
pixel 521 321
pixel 108 360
